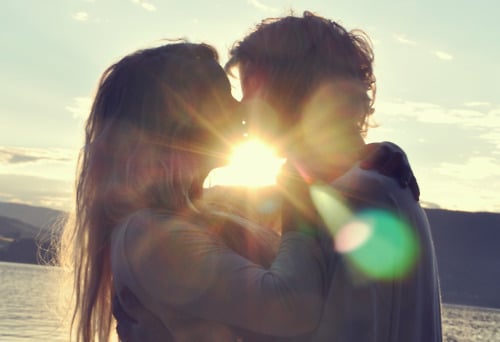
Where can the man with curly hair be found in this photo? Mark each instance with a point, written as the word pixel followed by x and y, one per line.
pixel 309 88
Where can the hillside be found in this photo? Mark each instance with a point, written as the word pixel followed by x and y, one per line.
pixel 22 242
pixel 14 229
pixel 26 232
pixel 466 247
pixel 43 218
pixel 468 256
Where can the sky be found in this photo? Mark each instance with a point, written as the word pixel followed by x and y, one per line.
pixel 436 63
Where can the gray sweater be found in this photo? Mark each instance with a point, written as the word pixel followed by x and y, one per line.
pixel 394 296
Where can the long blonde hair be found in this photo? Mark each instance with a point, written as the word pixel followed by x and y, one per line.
pixel 146 146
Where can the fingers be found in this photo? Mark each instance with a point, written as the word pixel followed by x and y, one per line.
pixel 414 188
pixel 390 162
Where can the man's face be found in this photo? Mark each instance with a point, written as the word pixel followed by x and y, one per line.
pixel 263 121
pixel 324 131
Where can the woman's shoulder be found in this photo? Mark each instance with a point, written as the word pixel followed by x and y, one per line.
pixel 156 219
pixel 154 252
pixel 146 230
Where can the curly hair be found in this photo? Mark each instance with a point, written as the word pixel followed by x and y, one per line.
pixel 295 55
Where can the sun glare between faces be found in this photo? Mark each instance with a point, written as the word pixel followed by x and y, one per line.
pixel 252 164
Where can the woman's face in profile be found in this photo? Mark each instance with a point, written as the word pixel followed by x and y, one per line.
pixel 222 121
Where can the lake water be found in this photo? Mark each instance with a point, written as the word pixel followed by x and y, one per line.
pixel 30 305
pixel 33 308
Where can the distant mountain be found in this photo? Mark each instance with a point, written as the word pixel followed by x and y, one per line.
pixel 16 229
pixel 468 254
pixel 25 243
pixel 466 246
pixel 26 232
pixel 41 217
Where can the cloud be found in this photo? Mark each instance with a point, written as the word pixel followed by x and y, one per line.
pixel 18 158
pixel 474 169
pixel 81 16
pixel 434 113
pixel 492 136
pixel 482 123
pixel 80 107
pixel 472 185
pixel 454 195
pixel 263 7
pixel 455 151
pixel 37 191
pixel 403 40
pixel 430 205
pixel 20 155
pixel 145 4
pixel 442 55
pixel 37 176
pixel 477 104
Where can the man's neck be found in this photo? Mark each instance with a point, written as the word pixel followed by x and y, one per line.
pixel 329 168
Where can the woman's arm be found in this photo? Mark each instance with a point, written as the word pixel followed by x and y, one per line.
pixel 171 263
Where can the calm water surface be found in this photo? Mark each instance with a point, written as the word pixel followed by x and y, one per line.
pixel 33 308
pixel 30 303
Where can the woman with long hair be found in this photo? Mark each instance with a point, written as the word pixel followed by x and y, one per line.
pixel 161 119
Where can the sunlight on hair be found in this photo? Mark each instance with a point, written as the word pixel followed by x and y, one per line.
pixel 376 242
pixel 252 164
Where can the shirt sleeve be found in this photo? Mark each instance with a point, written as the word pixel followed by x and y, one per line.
pixel 170 263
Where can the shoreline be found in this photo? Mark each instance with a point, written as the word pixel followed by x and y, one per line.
pixel 471 307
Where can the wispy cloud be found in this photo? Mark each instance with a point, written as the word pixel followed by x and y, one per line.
pixel 20 155
pixel 261 6
pixel 433 113
pixel 145 4
pixel 477 104
pixel 468 195
pixel 80 108
pixel 430 205
pixel 401 38
pixel 81 16
pixel 38 191
pixel 443 55
pixel 475 168
pixel 463 184
pixel 49 163
pixel 455 151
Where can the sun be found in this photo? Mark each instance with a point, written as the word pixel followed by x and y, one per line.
pixel 252 164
